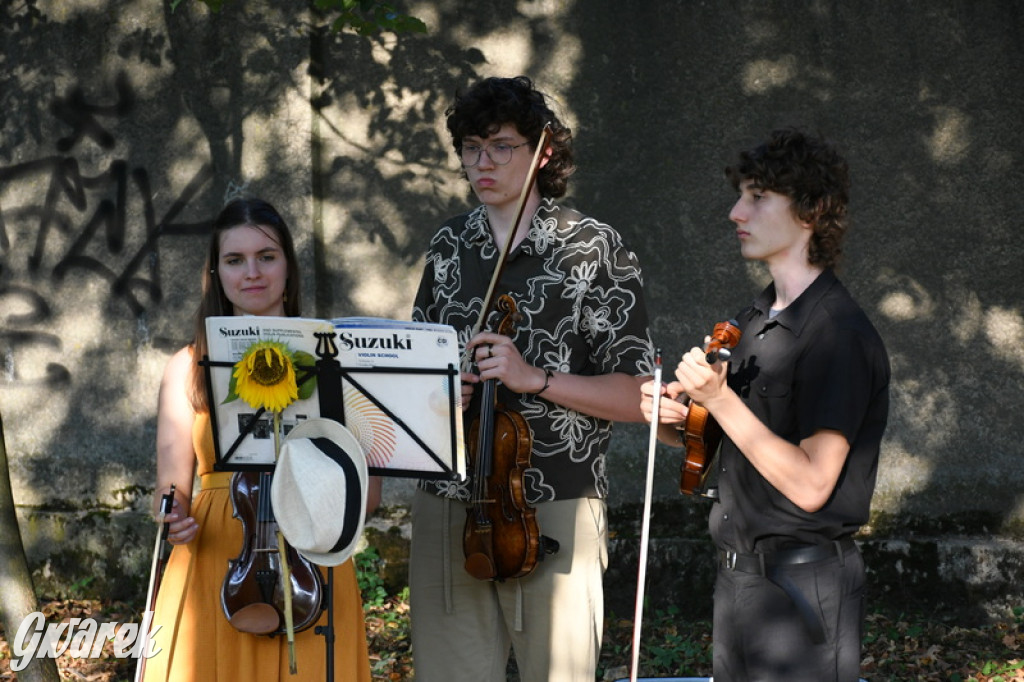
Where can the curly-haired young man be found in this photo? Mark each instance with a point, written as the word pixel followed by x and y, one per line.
pixel 572 365
pixel 803 402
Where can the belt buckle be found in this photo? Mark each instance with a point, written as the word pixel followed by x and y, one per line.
pixel 730 560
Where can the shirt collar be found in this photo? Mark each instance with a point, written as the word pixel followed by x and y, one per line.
pixel 478 230
pixel 795 316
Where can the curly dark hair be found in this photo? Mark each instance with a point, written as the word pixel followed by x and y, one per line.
pixel 813 174
pixel 491 103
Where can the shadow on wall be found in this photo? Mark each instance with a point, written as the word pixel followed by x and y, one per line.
pixel 115 151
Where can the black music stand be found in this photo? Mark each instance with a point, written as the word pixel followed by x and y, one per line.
pixel 329 373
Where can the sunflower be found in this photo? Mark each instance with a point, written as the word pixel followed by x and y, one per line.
pixel 265 377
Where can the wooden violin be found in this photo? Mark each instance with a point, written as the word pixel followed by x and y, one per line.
pixel 252 594
pixel 701 433
pixel 501 538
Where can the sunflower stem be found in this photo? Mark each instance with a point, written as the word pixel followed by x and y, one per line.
pixel 286 578
pixel 289 618
pixel 277 435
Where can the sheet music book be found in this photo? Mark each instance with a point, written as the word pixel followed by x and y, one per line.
pixel 396 387
pixel 372 352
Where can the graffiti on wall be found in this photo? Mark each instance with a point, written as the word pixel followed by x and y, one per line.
pixel 71 213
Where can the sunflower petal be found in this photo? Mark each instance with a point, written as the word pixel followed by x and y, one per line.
pixel 265 376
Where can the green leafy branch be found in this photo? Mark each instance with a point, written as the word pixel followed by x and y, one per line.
pixel 365 17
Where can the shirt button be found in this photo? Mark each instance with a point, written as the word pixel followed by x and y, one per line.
pixel 725 517
pixel 761 335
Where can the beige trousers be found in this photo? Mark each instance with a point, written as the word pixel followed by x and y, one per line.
pixel 462 628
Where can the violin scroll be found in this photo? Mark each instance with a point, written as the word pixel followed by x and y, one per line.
pixel 701 434
pixel 510 315
pixel 724 337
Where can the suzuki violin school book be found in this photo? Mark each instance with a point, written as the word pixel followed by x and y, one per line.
pixel 394 384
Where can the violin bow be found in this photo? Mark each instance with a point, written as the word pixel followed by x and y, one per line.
pixel 531 177
pixel 155 574
pixel 645 528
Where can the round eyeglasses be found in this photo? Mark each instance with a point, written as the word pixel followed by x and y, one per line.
pixel 498 152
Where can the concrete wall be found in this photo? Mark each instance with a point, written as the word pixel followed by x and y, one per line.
pixel 123 128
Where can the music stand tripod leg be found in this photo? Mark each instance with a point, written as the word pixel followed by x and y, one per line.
pixel 328 630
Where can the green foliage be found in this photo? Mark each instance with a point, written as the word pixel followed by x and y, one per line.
pixel 897 646
pixel 670 645
pixel 673 650
pixel 365 17
pixel 387 620
pixel 918 646
pixel 80 587
pixel 214 5
pixel 370 582
pixel 303 359
pixel 998 668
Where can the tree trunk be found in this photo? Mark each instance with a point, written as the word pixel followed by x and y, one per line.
pixel 17 596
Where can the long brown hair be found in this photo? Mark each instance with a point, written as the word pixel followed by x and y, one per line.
pixel 214 302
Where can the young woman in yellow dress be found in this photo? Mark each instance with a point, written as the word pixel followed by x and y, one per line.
pixel 251 269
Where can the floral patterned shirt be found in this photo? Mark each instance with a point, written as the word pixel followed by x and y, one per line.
pixel 579 292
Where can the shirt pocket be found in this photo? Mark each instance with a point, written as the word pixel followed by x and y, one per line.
pixel 775 405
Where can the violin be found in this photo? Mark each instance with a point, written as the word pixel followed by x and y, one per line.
pixel 501 538
pixel 252 594
pixel 701 433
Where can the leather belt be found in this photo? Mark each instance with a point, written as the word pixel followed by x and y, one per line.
pixel 758 563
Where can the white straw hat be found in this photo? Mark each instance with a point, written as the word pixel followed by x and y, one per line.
pixel 319 491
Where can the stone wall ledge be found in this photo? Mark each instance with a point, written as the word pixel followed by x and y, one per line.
pixel 968 578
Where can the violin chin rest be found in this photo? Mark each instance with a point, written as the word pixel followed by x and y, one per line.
pixel 259 619
pixel 480 566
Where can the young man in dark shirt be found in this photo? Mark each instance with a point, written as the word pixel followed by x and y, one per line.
pixel 803 402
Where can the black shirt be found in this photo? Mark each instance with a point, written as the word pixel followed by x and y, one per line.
pixel 818 364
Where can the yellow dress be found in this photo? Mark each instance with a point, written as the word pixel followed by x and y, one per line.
pixel 196 642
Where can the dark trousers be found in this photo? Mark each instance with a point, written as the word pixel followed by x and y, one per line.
pixel 801 622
